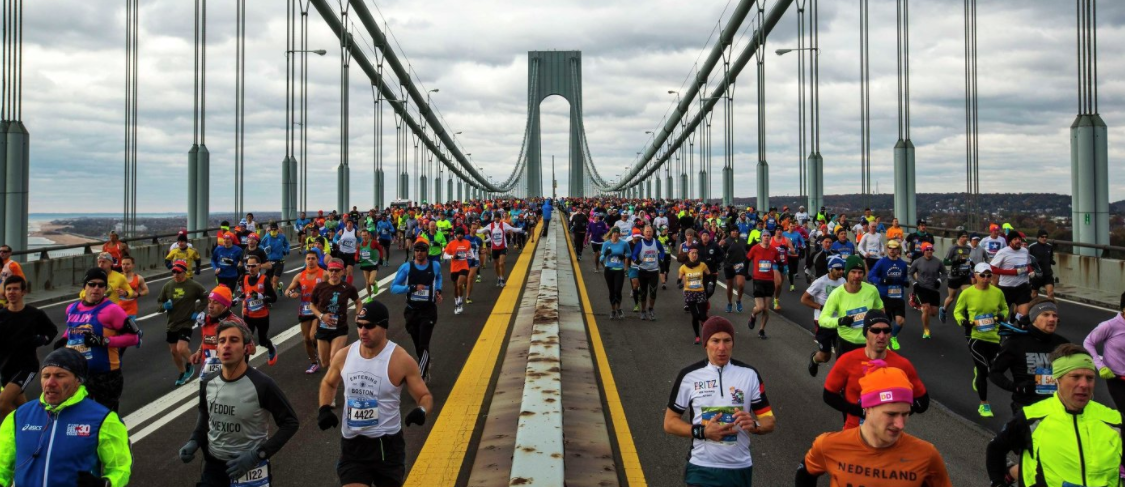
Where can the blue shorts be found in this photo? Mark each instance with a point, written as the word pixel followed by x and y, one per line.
pixel 473 263
pixel 718 477
pixel 634 273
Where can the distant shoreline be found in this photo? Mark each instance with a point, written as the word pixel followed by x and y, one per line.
pixel 53 233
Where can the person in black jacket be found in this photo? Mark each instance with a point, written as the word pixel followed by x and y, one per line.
pixel 1025 355
pixel 712 255
pixel 817 265
pixel 1044 254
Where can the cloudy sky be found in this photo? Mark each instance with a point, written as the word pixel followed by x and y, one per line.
pixel 634 52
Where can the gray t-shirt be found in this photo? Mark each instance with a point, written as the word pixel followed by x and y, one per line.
pixel 925 273
pixel 234 415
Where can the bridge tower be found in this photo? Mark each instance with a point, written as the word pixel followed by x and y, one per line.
pixel 554 73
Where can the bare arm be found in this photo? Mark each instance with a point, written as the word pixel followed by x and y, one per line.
pixel 332 378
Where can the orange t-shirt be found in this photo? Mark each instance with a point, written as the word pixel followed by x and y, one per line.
pixel 844 456
pixel 130 304
pixel 894 233
pixel 460 250
pixel 850 367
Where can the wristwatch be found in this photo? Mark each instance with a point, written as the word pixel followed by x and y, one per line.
pixel 261 454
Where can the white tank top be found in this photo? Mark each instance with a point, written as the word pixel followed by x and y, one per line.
pixel 371 401
pixel 348 241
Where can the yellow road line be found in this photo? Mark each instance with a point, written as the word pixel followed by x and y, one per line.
pixel 631 462
pixel 440 460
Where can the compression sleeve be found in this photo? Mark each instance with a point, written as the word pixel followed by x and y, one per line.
pixel 399 286
pixel 273 400
pixel 199 434
pixel 837 402
pixel 437 275
pixel 113 450
pixel 114 318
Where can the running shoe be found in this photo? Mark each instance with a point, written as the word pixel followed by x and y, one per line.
pixel 503 282
pixel 468 300
pixel 698 341
pixel 738 306
pixel 729 307
pixel 369 298
pixel 478 277
pixel 637 307
pixel 457 310
pixel 652 315
pixel 813 367
pixel 792 288
pixel 280 288
pixel 190 372
pixel 776 304
pixel 894 343
pixel 753 321
pixel 941 314
pixel 272 356
pixel 985 410
pixel 926 335
pixel 762 334
pixel 183 378
pixel 664 286
pixel 644 315
pixel 313 368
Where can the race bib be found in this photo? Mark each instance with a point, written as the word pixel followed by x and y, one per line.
pixel 650 259
pixel 985 323
pixel 765 265
pixel 328 321
pixel 857 316
pixel 257 477
pixel 615 259
pixel 695 282
pixel 363 413
pixel 460 255
pixel 497 238
pixel 722 415
pixel 423 295
pixel 845 253
pixel 306 309
pixel 77 343
pixel 738 267
pixel 255 305
pixel 365 254
pixel 1045 381
pixel 965 269
pixel 1021 269
pixel 226 261
pixel 894 292
pixel 211 364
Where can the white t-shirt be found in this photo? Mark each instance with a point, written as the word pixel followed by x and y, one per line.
pixel 821 288
pixel 1019 260
pixel 993 245
pixel 871 245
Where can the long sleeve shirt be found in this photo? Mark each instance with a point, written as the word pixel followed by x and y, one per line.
pixel 234 415
pixel 226 260
pixel 927 273
pixel 400 286
pixel 1109 336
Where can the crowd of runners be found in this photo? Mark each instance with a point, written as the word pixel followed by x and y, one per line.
pixel 866 281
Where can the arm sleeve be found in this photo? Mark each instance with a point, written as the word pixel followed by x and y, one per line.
pixel 1093 341
pixel 8 449
pixel 1004 361
pixel 1010 439
pixel 273 400
pixel 437 275
pixel 398 286
pixel 837 402
pixel 199 434
pixel 271 293
pixel 115 318
pixel 113 451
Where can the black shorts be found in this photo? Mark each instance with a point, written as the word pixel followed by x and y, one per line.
pixel 1017 294
pixel 927 296
pixel 386 245
pixel 372 461
pixel 19 372
pixel 277 270
pixel 329 334
pixel 496 253
pixel 730 273
pixel 349 259
pixel 597 247
pixel 174 337
pixel 1047 279
pixel 958 282
pixel 763 289
pixel 458 274
pixel 826 338
pixel 894 307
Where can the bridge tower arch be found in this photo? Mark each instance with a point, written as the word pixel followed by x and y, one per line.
pixel 554 73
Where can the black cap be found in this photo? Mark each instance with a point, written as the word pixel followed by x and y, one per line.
pixel 68 359
pixel 181 238
pixel 459 231
pixel 1043 233
pixel 375 312
pixel 874 316
pixel 962 233
pixel 921 221
pixel 95 273
pixel 273 226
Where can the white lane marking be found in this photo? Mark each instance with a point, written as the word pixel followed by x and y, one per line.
pixel 169 400
pixel 1079 303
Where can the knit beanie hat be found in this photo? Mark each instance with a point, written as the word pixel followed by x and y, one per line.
pixel 882 384
pixel 716 324
pixel 853 262
pixel 68 359
pixel 222 295
pixel 874 316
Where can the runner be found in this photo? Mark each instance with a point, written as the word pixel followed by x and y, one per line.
pixel 889 275
pixel 386 231
pixel 258 296
pixel 793 261
pixel 693 273
pixel 1012 265
pixel 277 248
pixel 368 263
pixel 880 447
pixel 993 242
pixel 458 252
pixel 99 457
pixel 615 255
pixel 136 283
pixel 915 240
pixel 233 424
pixel 182 299
pixel 420 281
pixel 842 246
pixel 225 260
pixel 475 262
pixel 373 371
pixel 979 310
pixel 8 267
pixel 330 306
pixel 99 330
pixel 1044 254
pixel 26 328
pixel 815 297
pixel 762 258
pixel 302 287
pixel 348 241
pixel 925 275
pixel 961 271
pixel 842 389
pixel 116 248
pixel 648 253
pixel 118 286
pixel 1066 439
pixel 734 267
pixel 1025 355
pixel 846 306
pixel 219 303
pixel 181 251
pixel 596 235
pixel 728 403
pixel 579 222
pixel 785 250
pixel 712 255
pixel 496 233
pixel 871 245
pixel 669 242
pixel 1109 336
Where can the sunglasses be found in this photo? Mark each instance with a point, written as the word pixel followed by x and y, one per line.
pixel 880 331
pixel 95 284
pixel 366 325
pixel 177 272
pixel 335 270
pixel 5 251
pixel 251 266
pixel 985 275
